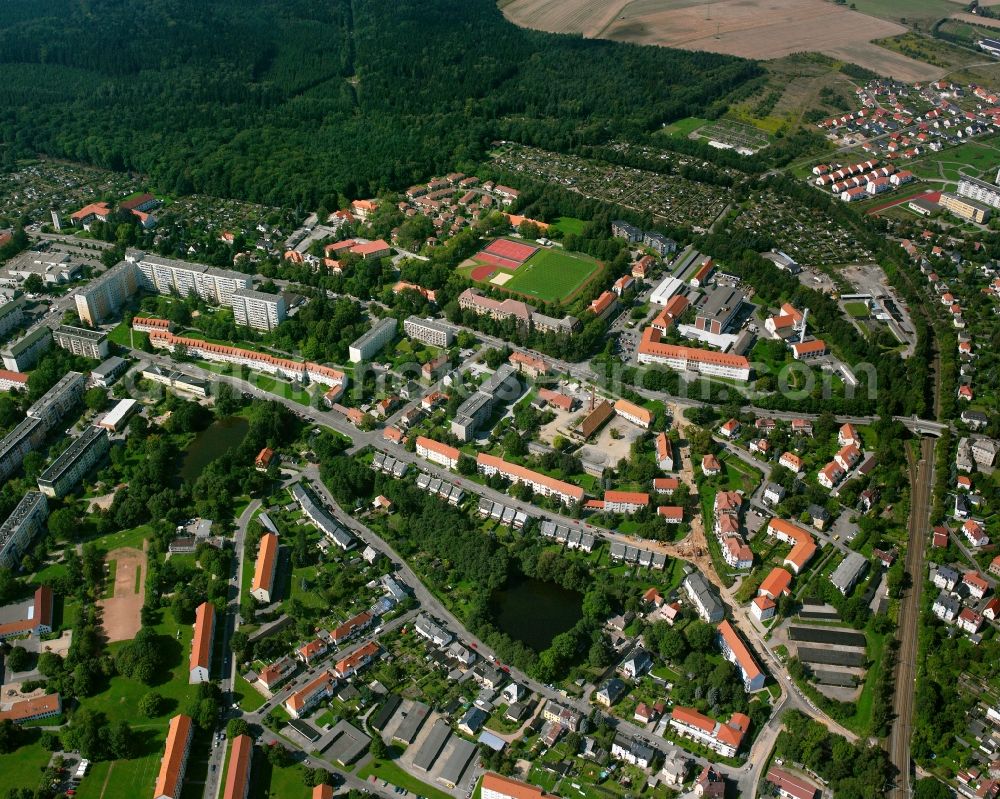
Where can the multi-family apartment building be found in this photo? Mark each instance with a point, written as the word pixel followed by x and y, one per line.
pixel 285 368
pixel 74 462
pixel 257 309
pixel 175 756
pixel 11 315
pixel 439 453
pixel 980 191
pixel 200 663
pixel 567 493
pixel 372 342
pixel 24 523
pixel 107 293
pixel 24 353
pixel 703 598
pixel 302 701
pixel 501 385
pixel 82 341
pixel 495 786
pixel 238 771
pixel 262 587
pixel 429 331
pixel 59 399
pixel 739 654
pixel 725 739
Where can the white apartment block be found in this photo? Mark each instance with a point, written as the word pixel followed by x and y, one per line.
pixel 74 462
pixel 11 315
pixel 372 342
pixel 439 453
pixel 257 309
pixel 429 331
pixel 980 190
pixel 104 295
pixel 23 524
pixel 82 341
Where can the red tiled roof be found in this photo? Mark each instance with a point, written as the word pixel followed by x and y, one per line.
pixel 515 789
pixel 447 451
pixel 627 408
pixel 520 472
pixel 174 756
pixel 740 650
pixel 630 497
pixel 28 709
pixel 263 575
pixel 651 345
pixel 201 644
pixel 238 771
pixel 776 583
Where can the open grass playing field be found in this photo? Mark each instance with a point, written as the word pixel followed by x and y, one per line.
pixel 859 310
pixel 532 272
pixel 553 275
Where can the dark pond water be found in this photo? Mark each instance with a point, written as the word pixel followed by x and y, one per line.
pixel 534 612
pixel 215 440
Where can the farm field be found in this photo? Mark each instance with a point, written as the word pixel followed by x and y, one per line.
pixel 552 275
pixel 748 28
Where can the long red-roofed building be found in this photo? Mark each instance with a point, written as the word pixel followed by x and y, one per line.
pixel 260 361
pixel 200 666
pixel 707 362
pixel 262 587
pixel 439 453
pixel 238 770
pixel 175 755
pixel 495 786
pixel 739 654
pixel 540 483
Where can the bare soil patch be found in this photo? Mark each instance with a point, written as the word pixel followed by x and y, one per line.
pixel 121 618
pixel 761 29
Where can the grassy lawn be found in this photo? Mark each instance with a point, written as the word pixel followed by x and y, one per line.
pixel 127 777
pixel 859 310
pixel 388 770
pixel 122 695
pixel 683 127
pixel 569 224
pixel 23 768
pixel 267 782
pixel 123 336
pixel 249 697
pixel 553 275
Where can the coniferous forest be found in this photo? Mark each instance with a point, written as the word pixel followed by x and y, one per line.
pixel 286 101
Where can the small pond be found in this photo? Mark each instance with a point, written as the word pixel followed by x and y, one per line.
pixel 215 440
pixel 534 611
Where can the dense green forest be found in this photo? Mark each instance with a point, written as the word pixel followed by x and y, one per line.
pixel 288 101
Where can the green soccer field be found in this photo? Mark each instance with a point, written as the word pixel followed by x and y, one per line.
pixel 553 275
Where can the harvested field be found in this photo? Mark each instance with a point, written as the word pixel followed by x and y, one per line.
pixel 748 28
pixel 121 618
pixel 819 635
pixel 831 657
pixel 973 19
